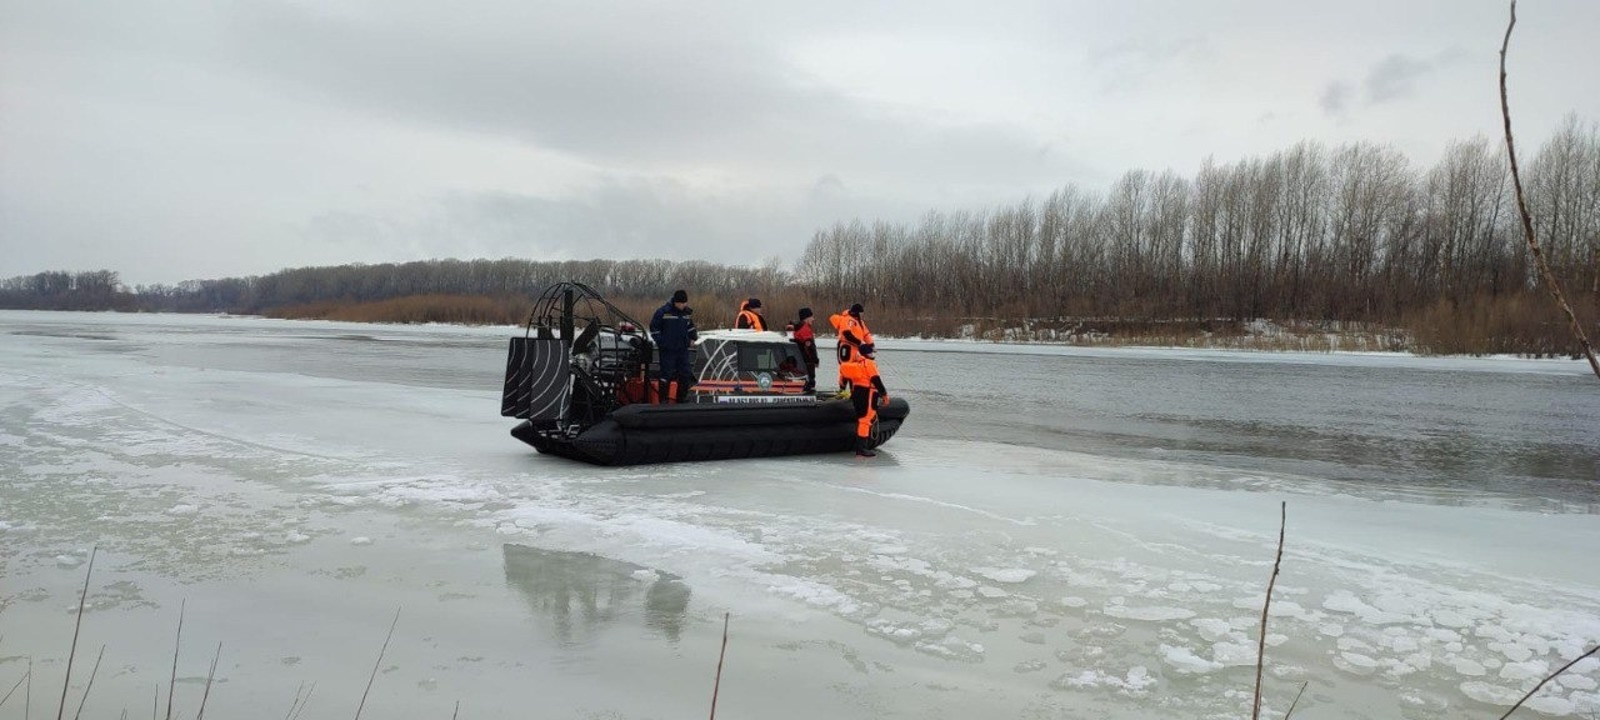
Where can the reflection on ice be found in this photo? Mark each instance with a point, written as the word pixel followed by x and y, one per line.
pixel 582 592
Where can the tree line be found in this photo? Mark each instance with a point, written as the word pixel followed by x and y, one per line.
pixel 1347 234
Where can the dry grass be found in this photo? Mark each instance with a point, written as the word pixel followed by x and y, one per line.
pixel 1507 324
pixel 1521 324
pixel 454 309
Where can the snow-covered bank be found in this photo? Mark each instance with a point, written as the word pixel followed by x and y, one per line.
pixel 1345 358
pixel 246 324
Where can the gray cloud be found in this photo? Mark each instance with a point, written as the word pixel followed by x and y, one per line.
pixel 655 90
pixel 619 217
pixel 1335 99
pixel 191 138
pixel 1395 78
pixel 1128 65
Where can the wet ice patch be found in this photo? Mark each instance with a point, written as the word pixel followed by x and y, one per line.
pixel 1489 693
pixel 1183 661
pixel 1136 682
pixel 1212 629
pixel 1577 682
pixel 1355 663
pixel 1524 670
pixel 1551 705
pixel 1154 613
pixel 1234 654
pixel 1005 576
pixel 952 647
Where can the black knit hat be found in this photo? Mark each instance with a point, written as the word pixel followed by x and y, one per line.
pixel 754 303
pixel 805 312
pixel 680 296
pixel 856 309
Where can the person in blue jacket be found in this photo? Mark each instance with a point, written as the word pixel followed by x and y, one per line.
pixel 672 330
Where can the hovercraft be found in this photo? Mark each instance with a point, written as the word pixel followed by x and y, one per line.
pixel 582 378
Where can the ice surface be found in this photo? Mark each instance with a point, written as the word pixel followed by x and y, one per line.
pixel 955 561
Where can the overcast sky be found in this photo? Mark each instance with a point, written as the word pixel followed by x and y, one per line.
pixel 177 139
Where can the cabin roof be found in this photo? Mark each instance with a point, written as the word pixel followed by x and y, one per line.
pixel 746 335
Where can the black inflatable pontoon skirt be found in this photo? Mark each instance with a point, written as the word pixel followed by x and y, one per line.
pixel 683 433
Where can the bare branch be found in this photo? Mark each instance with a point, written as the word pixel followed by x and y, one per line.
pixel 1296 699
pixel 90 686
pixel 20 678
pixel 201 714
pixel 375 665
pixel 1548 678
pixel 177 643
pixel 1261 648
pixel 1527 220
pixel 305 702
pixel 718 684
pixel 67 681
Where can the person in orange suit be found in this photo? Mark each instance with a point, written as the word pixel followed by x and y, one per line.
pixel 853 333
pixel 750 315
pixel 867 393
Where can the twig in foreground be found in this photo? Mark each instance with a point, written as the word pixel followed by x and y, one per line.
pixel 296 700
pixel 718 684
pixel 201 714
pixel 177 643
pixel 1296 699
pixel 90 686
pixel 3 700
pixel 67 681
pixel 1548 678
pixel 375 665
pixel 306 701
pixel 1261 649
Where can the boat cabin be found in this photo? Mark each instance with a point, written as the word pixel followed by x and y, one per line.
pixel 748 366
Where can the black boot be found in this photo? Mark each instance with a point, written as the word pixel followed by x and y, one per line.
pixel 863 449
pixel 662 388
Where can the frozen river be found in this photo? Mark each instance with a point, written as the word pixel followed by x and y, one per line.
pixel 1056 533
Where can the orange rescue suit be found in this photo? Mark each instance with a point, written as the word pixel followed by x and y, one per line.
pixel 852 329
pixel 866 391
pixel 853 334
pixel 749 319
